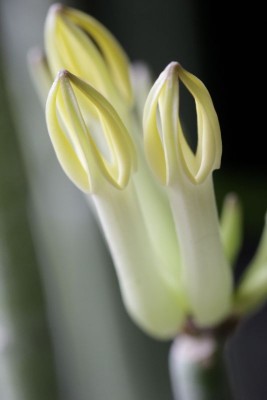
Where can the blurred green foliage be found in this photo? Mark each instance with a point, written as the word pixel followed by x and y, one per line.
pixel 26 358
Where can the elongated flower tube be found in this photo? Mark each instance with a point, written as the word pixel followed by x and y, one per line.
pixel 77 42
pixel 170 253
pixel 151 295
pixel 188 180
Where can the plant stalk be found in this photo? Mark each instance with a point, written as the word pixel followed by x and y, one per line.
pixel 197 368
pixel 26 358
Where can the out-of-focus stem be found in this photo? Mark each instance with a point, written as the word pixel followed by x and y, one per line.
pixel 197 369
pixel 26 360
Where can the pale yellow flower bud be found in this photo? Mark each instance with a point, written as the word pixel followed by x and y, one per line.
pixel 88 155
pixel 188 179
pixel 168 152
pixel 77 42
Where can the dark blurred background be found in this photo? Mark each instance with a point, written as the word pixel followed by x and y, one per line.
pixel 222 44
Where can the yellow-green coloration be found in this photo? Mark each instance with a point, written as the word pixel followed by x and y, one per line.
pixel 206 274
pixel 166 147
pixel 252 289
pixel 101 61
pixel 172 255
pixel 151 295
pixel 231 227
pixel 77 151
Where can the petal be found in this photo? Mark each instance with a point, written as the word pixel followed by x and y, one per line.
pixel 101 62
pixel 167 150
pixel 63 105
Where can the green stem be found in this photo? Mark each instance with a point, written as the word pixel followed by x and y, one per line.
pixel 197 369
pixel 146 287
pixel 26 358
pixel 203 260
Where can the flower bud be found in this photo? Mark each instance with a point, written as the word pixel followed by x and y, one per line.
pixel 231 227
pixel 167 150
pixel 88 155
pixel 188 179
pixel 77 42
pixel 252 288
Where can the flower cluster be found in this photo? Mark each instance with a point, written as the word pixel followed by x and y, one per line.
pixel 153 194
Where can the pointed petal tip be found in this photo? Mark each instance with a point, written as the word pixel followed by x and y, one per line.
pixel 232 198
pixel 56 9
pixel 63 73
pixel 172 68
